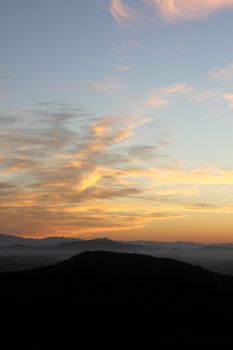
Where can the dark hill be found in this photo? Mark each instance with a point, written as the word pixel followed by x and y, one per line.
pixel 105 291
pixel 103 277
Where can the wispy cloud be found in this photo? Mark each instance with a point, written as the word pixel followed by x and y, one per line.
pixel 121 11
pixel 66 172
pixel 229 98
pixel 176 89
pixel 122 68
pixel 54 167
pixel 161 97
pixel 156 101
pixel 200 176
pixel 105 87
pixel 177 192
pixel 213 98
pixel 172 10
pixel 222 73
pixel 188 10
pixel 207 96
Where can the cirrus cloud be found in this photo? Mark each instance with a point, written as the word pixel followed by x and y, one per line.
pixel 190 9
pixel 222 73
pixel 104 87
pixel 172 10
pixel 121 11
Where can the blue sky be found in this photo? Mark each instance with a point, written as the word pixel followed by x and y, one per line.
pixel 159 73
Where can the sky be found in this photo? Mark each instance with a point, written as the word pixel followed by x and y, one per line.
pixel 116 119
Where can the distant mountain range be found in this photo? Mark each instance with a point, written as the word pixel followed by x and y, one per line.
pixel 67 244
pixel 24 253
pixel 9 240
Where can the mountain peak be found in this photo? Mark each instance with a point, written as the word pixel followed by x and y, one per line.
pixel 102 239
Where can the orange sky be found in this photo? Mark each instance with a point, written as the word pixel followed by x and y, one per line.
pixel 116 119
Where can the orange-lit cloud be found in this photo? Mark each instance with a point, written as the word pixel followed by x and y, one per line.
pixel 201 176
pixel 66 179
pixel 178 192
pixel 190 9
pixel 156 101
pixel 47 179
pixel 161 97
pixel 229 98
pixel 172 10
pixel 177 89
pixel 121 11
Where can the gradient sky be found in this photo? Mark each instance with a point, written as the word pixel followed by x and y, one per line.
pixel 116 119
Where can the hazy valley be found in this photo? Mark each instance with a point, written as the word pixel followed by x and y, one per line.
pixel 17 253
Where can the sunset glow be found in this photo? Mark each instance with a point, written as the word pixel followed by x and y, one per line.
pixel 122 128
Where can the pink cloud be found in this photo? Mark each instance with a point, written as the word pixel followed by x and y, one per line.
pixel 190 9
pixel 172 10
pixel 121 11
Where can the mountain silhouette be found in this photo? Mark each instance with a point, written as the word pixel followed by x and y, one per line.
pixel 18 253
pixel 10 240
pixel 217 247
pixel 170 298
pixel 104 244
pixel 103 277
